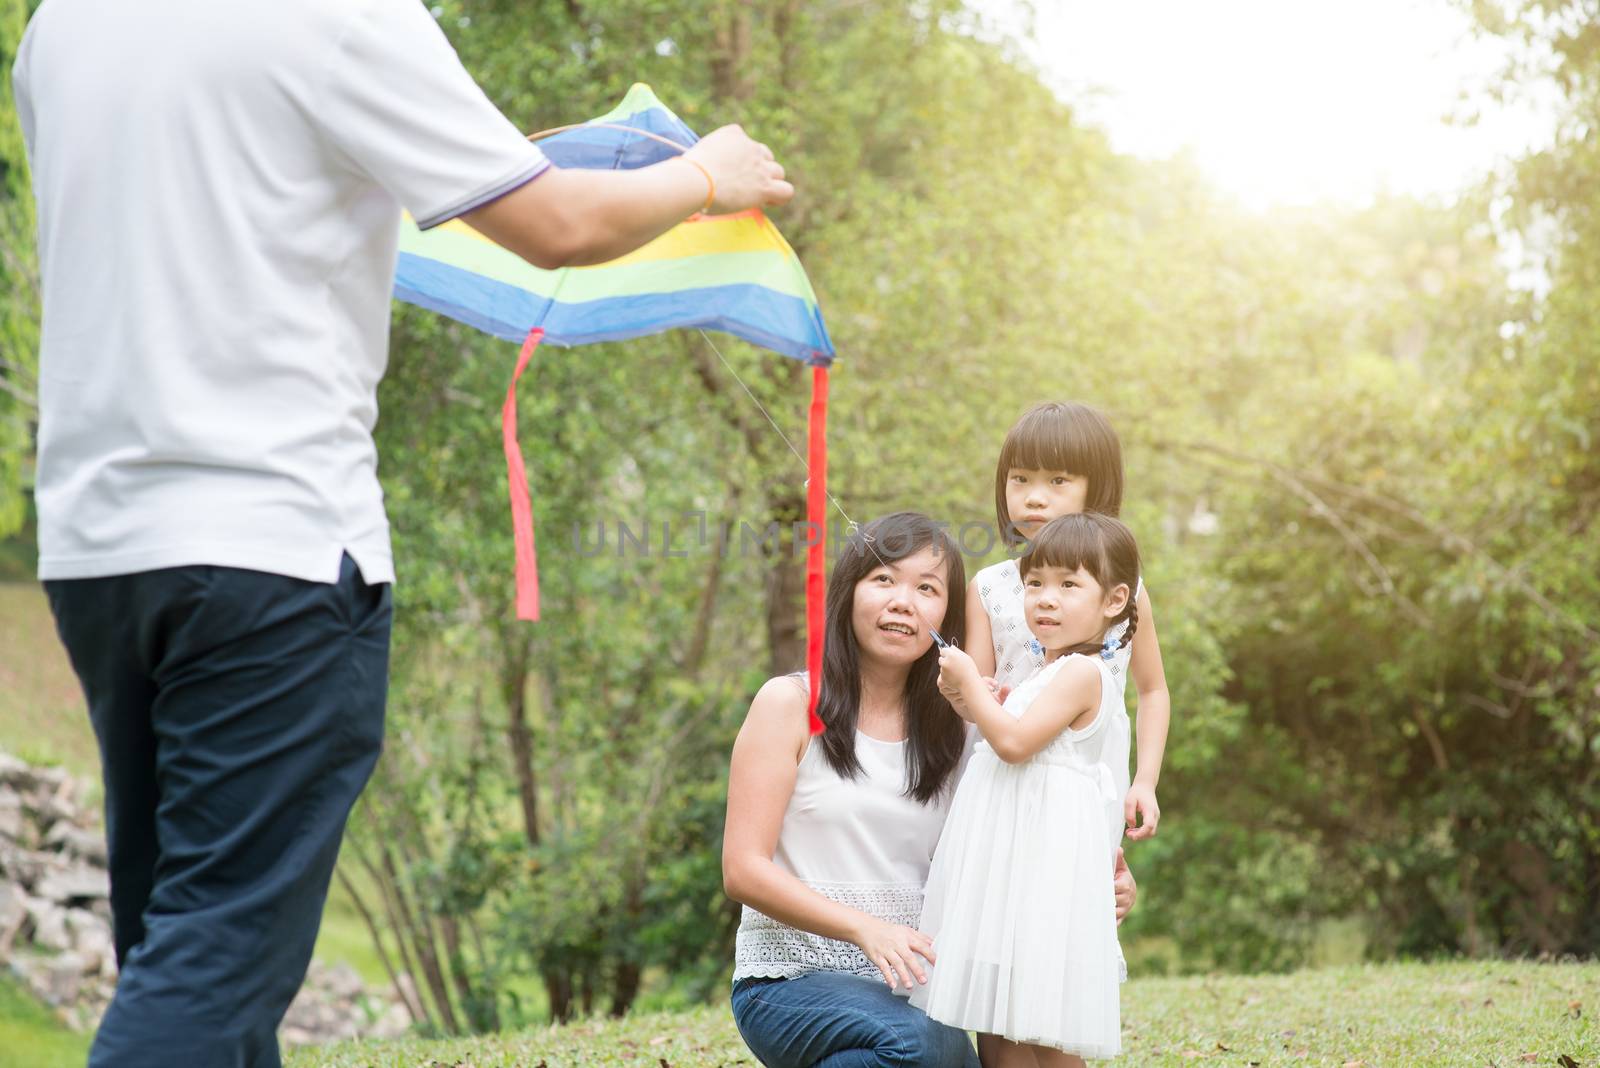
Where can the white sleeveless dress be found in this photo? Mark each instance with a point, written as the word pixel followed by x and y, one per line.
pixel 1019 900
pixel 862 843
pixel 1017 655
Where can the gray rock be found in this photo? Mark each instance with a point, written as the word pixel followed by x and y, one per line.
pixel 63 978
pixel 79 841
pixel 342 982
pixel 91 939
pixel 57 980
pixel 11 903
pixel 394 1023
pixel 13 914
pixel 83 1016
pixel 14 772
pixel 22 865
pixel 291 1035
pixel 80 882
pixel 334 1005
pixel 49 922
pixel 53 779
pixel 14 823
pixel 57 809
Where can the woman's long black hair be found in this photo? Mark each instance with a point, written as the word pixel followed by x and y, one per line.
pixel 934 733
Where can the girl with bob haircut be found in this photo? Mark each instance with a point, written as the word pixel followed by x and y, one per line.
pixel 1017 900
pixel 1062 459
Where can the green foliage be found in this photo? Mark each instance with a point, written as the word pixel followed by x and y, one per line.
pixel 1339 470
pixel 1360 463
pixel 19 290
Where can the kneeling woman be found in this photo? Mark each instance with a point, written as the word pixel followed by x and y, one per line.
pixel 829 839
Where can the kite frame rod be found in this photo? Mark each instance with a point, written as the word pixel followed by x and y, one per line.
pixel 607 126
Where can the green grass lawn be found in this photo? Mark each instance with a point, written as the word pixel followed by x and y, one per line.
pixel 1486 1015
pixel 1404 1015
pixel 42 718
pixel 30 1037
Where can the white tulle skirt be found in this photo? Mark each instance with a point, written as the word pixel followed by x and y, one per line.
pixel 1019 904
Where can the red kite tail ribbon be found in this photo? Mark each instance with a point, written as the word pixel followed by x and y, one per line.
pixel 817 547
pixel 517 480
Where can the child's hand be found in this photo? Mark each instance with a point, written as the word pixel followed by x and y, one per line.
pixel 957 699
pixel 956 668
pixel 1141 798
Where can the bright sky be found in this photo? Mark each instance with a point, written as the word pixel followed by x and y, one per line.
pixel 1288 101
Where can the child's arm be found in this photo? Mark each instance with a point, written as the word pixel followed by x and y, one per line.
pixel 1071 699
pixel 980 636
pixel 1155 711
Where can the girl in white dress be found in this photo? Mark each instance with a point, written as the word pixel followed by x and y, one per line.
pixel 1018 900
pixel 1059 459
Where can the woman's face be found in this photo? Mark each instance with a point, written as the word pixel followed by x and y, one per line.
pixel 895 606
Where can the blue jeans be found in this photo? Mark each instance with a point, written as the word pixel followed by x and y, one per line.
pixel 239 715
pixel 832 1020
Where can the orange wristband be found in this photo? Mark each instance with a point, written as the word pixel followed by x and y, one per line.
pixel 711 183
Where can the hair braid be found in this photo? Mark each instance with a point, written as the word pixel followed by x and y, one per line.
pixel 1133 621
pixel 1129 615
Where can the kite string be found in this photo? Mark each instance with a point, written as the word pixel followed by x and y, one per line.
pixel 757 402
pixel 855 528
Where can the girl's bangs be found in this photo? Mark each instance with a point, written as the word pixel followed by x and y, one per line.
pixel 1068 546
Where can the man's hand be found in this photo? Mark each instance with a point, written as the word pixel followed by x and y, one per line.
pixel 569 218
pixel 1123 887
pixel 743 169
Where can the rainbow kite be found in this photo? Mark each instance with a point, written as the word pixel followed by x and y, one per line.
pixel 733 273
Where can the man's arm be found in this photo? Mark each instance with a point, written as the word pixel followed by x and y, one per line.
pixel 570 218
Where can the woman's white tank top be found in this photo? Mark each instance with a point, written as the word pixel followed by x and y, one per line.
pixel 861 842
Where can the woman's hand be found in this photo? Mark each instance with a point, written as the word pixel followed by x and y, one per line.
pixel 893 949
pixel 1141 799
pixel 1123 887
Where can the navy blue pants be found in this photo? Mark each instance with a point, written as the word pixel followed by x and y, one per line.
pixel 239 714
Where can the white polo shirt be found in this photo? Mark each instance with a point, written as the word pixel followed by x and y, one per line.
pixel 219 184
